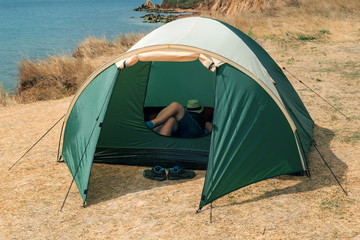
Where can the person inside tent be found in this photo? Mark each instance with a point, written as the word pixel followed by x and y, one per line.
pixel 175 120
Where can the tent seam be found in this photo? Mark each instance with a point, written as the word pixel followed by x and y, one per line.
pixel 182 36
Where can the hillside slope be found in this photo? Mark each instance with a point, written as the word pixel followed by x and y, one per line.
pixel 327 8
pixel 232 6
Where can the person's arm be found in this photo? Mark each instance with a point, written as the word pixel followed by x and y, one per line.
pixel 208 126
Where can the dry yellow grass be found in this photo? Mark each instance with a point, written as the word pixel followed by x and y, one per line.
pixel 60 76
pixel 6 97
pixel 124 205
pixel 323 8
pixel 290 19
pixel 53 78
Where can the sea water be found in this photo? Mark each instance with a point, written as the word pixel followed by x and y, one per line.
pixel 32 29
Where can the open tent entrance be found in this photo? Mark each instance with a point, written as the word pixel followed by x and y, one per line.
pixel 142 90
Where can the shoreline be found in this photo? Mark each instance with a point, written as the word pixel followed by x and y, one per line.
pixel 52 42
pixel 156 13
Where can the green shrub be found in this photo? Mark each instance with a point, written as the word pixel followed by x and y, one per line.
pixel 306 37
pixel 324 31
pixel 251 34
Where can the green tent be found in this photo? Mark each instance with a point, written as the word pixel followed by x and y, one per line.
pixel 261 127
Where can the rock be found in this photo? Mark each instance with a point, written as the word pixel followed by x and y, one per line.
pixel 155 16
pixel 148 4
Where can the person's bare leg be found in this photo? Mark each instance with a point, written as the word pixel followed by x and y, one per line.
pixel 173 110
pixel 169 127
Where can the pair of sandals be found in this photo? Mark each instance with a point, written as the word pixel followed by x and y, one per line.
pixel 158 173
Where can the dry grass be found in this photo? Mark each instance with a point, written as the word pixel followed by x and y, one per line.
pixel 52 78
pixel 124 205
pixel 6 97
pixel 323 8
pixel 93 48
pixel 60 76
pixel 290 19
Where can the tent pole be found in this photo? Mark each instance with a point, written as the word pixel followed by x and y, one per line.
pixel 58 154
pixel 213 150
pixel 347 118
pixel 36 142
pixel 314 144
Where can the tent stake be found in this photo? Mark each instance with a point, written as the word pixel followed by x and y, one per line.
pixel 36 142
pixel 314 144
pixel 211 207
pixel 347 118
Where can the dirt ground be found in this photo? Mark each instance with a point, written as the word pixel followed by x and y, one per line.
pixel 124 205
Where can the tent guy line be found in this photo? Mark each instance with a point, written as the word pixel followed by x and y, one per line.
pixel 338 182
pixel 37 142
pixel 336 109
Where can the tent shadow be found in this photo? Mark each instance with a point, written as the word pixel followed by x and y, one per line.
pixel 113 181
pixel 324 178
pixel 109 181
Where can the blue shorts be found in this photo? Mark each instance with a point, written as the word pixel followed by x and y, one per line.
pixel 188 127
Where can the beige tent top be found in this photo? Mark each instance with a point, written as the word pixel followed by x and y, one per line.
pixel 170 54
pixel 193 32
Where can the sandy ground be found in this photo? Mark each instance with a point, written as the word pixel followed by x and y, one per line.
pixel 124 205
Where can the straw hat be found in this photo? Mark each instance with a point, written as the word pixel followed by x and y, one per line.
pixel 194 105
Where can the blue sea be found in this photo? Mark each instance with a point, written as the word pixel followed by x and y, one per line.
pixel 37 28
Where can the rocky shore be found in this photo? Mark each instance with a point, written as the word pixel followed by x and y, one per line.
pixel 157 17
pixel 157 14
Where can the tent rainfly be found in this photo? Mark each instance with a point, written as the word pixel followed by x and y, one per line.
pixel 261 127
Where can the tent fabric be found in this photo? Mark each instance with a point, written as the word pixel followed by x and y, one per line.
pixel 289 97
pixel 261 139
pixel 261 127
pixel 168 77
pixel 82 128
pixel 170 55
pixel 195 32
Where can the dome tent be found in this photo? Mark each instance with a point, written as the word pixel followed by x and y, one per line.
pixel 261 127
